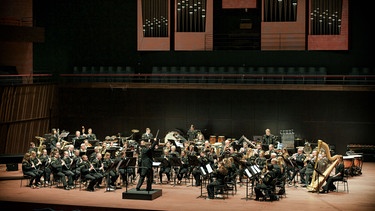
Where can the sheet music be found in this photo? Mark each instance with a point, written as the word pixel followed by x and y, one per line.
pixel 248 173
pixel 209 169
pixel 203 171
pixel 257 169
pixel 156 164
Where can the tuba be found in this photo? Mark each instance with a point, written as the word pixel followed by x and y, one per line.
pixel 318 180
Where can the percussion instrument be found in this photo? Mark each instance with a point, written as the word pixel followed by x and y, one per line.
pixel 348 161
pixel 221 139
pixel 212 139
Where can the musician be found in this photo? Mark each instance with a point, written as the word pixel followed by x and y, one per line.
pixel 174 151
pixel 261 161
pixel 165 166
pixel 94 154
pixel 269 138
pixel 123 172
pixel 184 168
pixel 145 164
pixel 247 160
pixel 310 165
pixel 99 168
pixel 77 137
pixel 90 135
pixel 271 149
pixel 37 164
pixel 32 147
pixel 257 150
pixel 46 166
pixel 147 136
pixel 66 169
pixel 203 161
pixel 75 167
pixel 322 161
pixel 338 176
pixel 70 150
pixel 88 173
pixel 28 168
pixel 57 170
pixel 244 148
pixel 232 168
pixel 265 183
pixel 109 172
pixel 54 138
pixel 299 158
pixel 191 133
pixel 191 150
pixel 220 173
pixel 83 149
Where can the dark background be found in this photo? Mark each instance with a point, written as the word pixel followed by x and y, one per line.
pixel 104 33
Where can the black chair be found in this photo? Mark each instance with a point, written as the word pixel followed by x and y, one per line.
pixel 343 182
pixel 27 178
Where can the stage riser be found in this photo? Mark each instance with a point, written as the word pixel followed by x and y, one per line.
pixel 142 194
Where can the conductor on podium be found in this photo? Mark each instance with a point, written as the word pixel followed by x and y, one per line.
pixel 145 166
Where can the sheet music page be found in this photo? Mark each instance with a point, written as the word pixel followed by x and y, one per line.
pixel 248 173
pixel 203 171
pixel 209 169
pixel 156 163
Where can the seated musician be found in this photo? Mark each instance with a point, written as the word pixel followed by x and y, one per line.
pixel 99 169
pixel 88 173
pixel 184 168
pixel 165 166
pixel 203 161
pixel 299 159
pixel 309 169
pixel 28 168
pixel 57 170
pixel 75 167
pixel 247 160
pixel 338 176
pixel 66 169
pixel 265 184
pixel 37 164
pixel 261 160
pixel 45 167
pixel 220 173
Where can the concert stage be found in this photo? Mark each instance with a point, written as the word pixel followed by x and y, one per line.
pixel 142 194
pixel 183 197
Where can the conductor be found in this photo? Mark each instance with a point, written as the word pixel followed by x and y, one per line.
pixel 146 165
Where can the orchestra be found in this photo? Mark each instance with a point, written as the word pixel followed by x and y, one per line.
pixel 96 162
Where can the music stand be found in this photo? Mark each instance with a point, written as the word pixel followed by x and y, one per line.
pixel 77 143
pixel 131 165
pixel 114 165
pixel 203 174
pixel 251 172
pixel 193 162
pixel 175 164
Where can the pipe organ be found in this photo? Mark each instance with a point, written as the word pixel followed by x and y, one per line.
pixel 280 10
pixel 155 18
pixel 325 17
pixel 191 15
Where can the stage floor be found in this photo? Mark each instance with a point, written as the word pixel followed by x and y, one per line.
pixel 184 197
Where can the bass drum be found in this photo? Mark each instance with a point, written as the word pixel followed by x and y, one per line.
pixel 170 136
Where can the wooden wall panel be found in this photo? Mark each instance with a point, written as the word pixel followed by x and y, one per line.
pixel 26 113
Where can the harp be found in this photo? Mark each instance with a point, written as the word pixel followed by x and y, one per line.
pixel 318 180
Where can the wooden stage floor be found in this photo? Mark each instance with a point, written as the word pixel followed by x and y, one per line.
pixel 361 197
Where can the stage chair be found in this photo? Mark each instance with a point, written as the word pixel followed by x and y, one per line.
pixel 27 178
pixel 344 182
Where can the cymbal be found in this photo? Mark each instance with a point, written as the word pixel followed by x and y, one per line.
pixel 199 143
pixel 135 131
pixel 298 139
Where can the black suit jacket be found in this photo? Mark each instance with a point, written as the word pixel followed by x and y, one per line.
pixel 146 158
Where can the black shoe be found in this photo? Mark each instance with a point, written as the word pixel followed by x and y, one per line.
pixel 90 189
pixel 138 189
pixel 323 191
pixel 66 188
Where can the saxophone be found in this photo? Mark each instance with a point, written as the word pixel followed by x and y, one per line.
pixel 318 180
